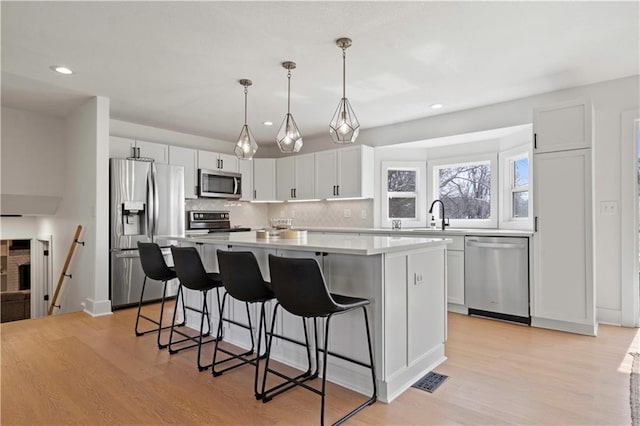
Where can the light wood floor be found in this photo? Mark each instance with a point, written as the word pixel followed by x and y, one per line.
pixel 77 369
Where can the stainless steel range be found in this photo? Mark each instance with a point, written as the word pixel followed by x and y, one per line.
pixel 199 221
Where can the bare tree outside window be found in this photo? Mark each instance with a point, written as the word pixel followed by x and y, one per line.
pixel 401 193
pixel 466 191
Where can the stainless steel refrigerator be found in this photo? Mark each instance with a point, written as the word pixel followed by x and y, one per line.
pixel 147 204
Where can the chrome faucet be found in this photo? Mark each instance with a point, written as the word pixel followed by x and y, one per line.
pixel 445 222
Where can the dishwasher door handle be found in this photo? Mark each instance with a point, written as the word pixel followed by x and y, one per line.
pixel 474 243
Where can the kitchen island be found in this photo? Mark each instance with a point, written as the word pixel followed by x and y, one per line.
pixel 404 277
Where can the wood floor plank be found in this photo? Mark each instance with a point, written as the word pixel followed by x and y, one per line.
pixel 75 369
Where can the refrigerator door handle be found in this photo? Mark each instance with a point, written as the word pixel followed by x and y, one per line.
pixel 156 202
pixel 150 199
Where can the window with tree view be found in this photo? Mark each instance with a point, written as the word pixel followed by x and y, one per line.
pixel 520 188
pixel 402 193
pixel 465 190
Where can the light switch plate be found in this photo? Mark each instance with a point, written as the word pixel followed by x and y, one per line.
pixel 608 208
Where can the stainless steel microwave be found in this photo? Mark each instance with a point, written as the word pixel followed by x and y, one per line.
pixel 218 184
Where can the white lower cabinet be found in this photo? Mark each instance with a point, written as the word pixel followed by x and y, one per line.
pixel 455 271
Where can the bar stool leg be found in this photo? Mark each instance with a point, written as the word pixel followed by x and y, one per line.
pixel 205 313
pixel 218 336
pixel 262 323
pixel 173 319
pixel 324 368
pixel 160 328
pixel 374 396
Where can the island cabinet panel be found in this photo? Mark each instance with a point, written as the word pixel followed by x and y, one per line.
pixel 395 326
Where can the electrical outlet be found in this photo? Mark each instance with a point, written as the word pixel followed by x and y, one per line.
pixel 347 212
pixel 608 208
pixel 363 214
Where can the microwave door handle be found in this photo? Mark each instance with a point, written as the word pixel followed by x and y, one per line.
pixel 235 185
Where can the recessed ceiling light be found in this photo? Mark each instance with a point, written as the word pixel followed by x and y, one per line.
pixel 437 106
pixel 268 123
pixel 61 69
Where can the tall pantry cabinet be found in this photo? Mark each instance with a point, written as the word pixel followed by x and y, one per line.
pixel 563 288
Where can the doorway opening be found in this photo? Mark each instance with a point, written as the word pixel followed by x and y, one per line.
pixel 15 280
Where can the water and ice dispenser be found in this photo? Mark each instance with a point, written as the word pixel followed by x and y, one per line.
pixel 133 215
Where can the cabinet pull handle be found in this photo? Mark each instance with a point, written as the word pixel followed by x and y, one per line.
pixel 255 194
pixel 535 141
pixel 535 224
pixel 222 164
pixel 337 189
pixel 291 192
pixel 295 192
pixel 334 190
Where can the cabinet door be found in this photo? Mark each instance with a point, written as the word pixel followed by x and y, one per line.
pixel 120 147
pixel 208 160
pixel 228 163
pixel 562 126
pixel 187 158
pixel 349 172
pixel 284 178
pixel 158 151
pixel 425 308
pixel 455 277
pixel 305 166
pixel 326 174
pixel 264 179
pixel 245 168
pixel 563 281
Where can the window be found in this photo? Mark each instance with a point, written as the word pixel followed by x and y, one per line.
pixel 516 197
pixel 519 187
pixel 404 193
pixel 467 187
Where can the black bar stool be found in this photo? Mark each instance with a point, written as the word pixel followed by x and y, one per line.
pixel 155 268
pixel 300 289
pixel 193 276
pixel 243 281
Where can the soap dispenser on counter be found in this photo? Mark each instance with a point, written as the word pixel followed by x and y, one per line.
pixel 432 224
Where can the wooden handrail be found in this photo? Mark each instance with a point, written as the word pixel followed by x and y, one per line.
pixel 63 274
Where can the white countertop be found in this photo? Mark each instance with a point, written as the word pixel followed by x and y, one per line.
pixel 364 245
pixel 424 231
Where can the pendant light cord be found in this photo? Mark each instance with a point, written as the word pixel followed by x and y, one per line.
pixel 245 105
pixel 344 73
pixel 289 93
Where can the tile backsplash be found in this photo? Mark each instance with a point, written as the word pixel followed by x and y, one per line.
pixel 253 215
pixel 339 214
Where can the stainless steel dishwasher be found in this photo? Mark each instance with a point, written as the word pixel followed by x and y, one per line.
pixel 496 277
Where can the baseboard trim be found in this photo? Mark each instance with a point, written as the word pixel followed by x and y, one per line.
pixel 97 309
pixel 609 316
pixel 571 327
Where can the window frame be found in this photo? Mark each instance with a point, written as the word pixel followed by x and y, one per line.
pixel 420 193
pixel 455 161
pixel 507 159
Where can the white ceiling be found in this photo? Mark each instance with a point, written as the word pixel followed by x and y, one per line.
pixel 175 65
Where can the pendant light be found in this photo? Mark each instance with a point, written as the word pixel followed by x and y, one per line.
pixel 246 146
pixel 344 126
pixel 289 139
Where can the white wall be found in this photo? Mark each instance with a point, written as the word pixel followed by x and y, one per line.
pixel 17 228
pixel 32 162
pixel 128 130
pixel 83 203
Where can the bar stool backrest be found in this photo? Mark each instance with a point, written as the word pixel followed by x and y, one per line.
pixel 189 268
pixel 241 276
pixel 153 263
pixel 300 287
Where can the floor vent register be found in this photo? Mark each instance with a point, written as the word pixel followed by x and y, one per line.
pixel 430 382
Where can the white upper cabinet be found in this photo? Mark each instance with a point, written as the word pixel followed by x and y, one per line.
pixel 121 147
pixel 159 152
pixel 187 158
pixel 245 167
pixel 326 173
pixel 296 177
pixel 264 179
pixel 345 173
pixel 217 161
pixel 562 126
pixel 125 148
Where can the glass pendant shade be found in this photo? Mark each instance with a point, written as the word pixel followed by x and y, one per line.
pixel 246 146
pixel 289 138
pixel 344 126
